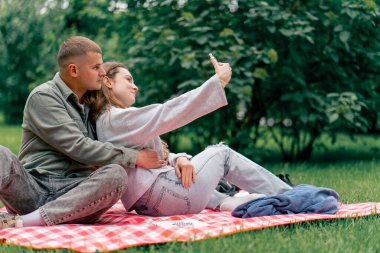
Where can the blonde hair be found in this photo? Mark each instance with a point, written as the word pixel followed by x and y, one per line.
pixel 73 47
pixel 103 99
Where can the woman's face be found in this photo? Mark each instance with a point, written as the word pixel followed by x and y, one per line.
pixel 123 87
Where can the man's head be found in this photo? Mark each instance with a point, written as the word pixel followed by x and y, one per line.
pixel 79 60
pixel 74 47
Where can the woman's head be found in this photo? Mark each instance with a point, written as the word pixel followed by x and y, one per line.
pixel 118 85
pixel 118 89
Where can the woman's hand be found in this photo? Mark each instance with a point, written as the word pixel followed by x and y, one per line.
pixel 184 170
pixel 223 70
pixel 149 159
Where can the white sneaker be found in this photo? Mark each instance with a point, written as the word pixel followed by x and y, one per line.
pixel 8 220
pixel 230 203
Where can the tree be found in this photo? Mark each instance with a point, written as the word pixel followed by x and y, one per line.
pixel 300 68
pixel 286 58
pixel 26 44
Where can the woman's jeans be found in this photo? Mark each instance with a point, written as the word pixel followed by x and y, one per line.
pixel 59 199
pixel 167 196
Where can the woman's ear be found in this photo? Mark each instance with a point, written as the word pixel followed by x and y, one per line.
pixel 73 70
pixel 107 82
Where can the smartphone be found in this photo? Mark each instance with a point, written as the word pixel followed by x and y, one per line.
pixel 212 56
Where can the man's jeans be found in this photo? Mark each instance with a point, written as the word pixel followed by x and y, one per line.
pixel 59 199
pixel 168 197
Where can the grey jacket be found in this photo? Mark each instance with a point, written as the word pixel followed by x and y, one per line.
pixel 141 127
pixel 56 135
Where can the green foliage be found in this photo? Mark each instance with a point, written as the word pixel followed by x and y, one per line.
pixel 26 38
pixel 286 59
pixel 347 107
pixel 319 56
pixel 287 56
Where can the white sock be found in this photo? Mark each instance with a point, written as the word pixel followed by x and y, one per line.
pixel 230 203
pixel 33 219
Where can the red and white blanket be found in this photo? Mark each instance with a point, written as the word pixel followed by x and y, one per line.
pixel 118 230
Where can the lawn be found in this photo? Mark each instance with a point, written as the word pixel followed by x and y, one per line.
pixel 10 137
pixel 351 168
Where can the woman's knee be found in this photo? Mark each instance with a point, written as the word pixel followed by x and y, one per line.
pixel 218 147
pixel 213 157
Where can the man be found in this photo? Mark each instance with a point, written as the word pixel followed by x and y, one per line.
pixel 62 174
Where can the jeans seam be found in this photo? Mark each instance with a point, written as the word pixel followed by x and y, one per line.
pixel 164 191
pixel 45 217
pixel 227 161
pixel 151 188
pixel 203 165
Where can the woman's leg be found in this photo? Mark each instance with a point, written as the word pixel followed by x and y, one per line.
pixel 168 197
pixel 243 173
pixel 248 175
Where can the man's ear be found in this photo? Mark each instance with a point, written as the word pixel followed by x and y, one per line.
pixel 73 70
pixel 107 82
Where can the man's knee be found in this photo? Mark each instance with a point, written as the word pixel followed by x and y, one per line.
pixel 5 152
pixel 7 160
pixel 115 175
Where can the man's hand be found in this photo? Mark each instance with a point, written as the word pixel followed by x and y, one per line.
pixel 223 70
pixel 184 170
pixel 149 159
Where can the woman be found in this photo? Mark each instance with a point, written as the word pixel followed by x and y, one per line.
pixel 185 185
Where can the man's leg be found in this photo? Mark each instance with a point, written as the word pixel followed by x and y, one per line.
pixel 82 200
pixel 19 191
pixel 87 201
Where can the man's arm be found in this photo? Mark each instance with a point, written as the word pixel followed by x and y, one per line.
pixel 48 118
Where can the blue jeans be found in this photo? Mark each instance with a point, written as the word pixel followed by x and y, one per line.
pixel 168 197
pixel 60 199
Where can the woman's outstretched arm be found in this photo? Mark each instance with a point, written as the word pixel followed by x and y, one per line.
pixel 133 127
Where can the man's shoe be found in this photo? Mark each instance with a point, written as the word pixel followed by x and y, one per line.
pixel 10 221
pixel 286 179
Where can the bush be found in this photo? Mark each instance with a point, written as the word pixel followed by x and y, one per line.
pixel 292 61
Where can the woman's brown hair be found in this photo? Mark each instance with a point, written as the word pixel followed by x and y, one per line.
pixel 102 99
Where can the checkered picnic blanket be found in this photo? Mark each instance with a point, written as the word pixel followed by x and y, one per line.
pixel 117 230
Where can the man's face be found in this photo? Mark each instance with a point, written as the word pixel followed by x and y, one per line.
pixel 91 72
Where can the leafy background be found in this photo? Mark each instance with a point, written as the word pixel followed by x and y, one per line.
pixel 301 69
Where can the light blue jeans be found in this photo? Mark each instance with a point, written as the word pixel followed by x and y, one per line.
pixel 60 199
pixel 168 197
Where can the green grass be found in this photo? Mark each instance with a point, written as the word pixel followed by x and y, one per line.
pixel 351 168
pixel 346 148
pixel 10 137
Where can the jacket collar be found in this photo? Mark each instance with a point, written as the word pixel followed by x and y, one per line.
pixel 62 86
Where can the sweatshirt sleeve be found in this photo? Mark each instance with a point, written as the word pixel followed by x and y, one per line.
pixel 173 158
pixel 133 127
